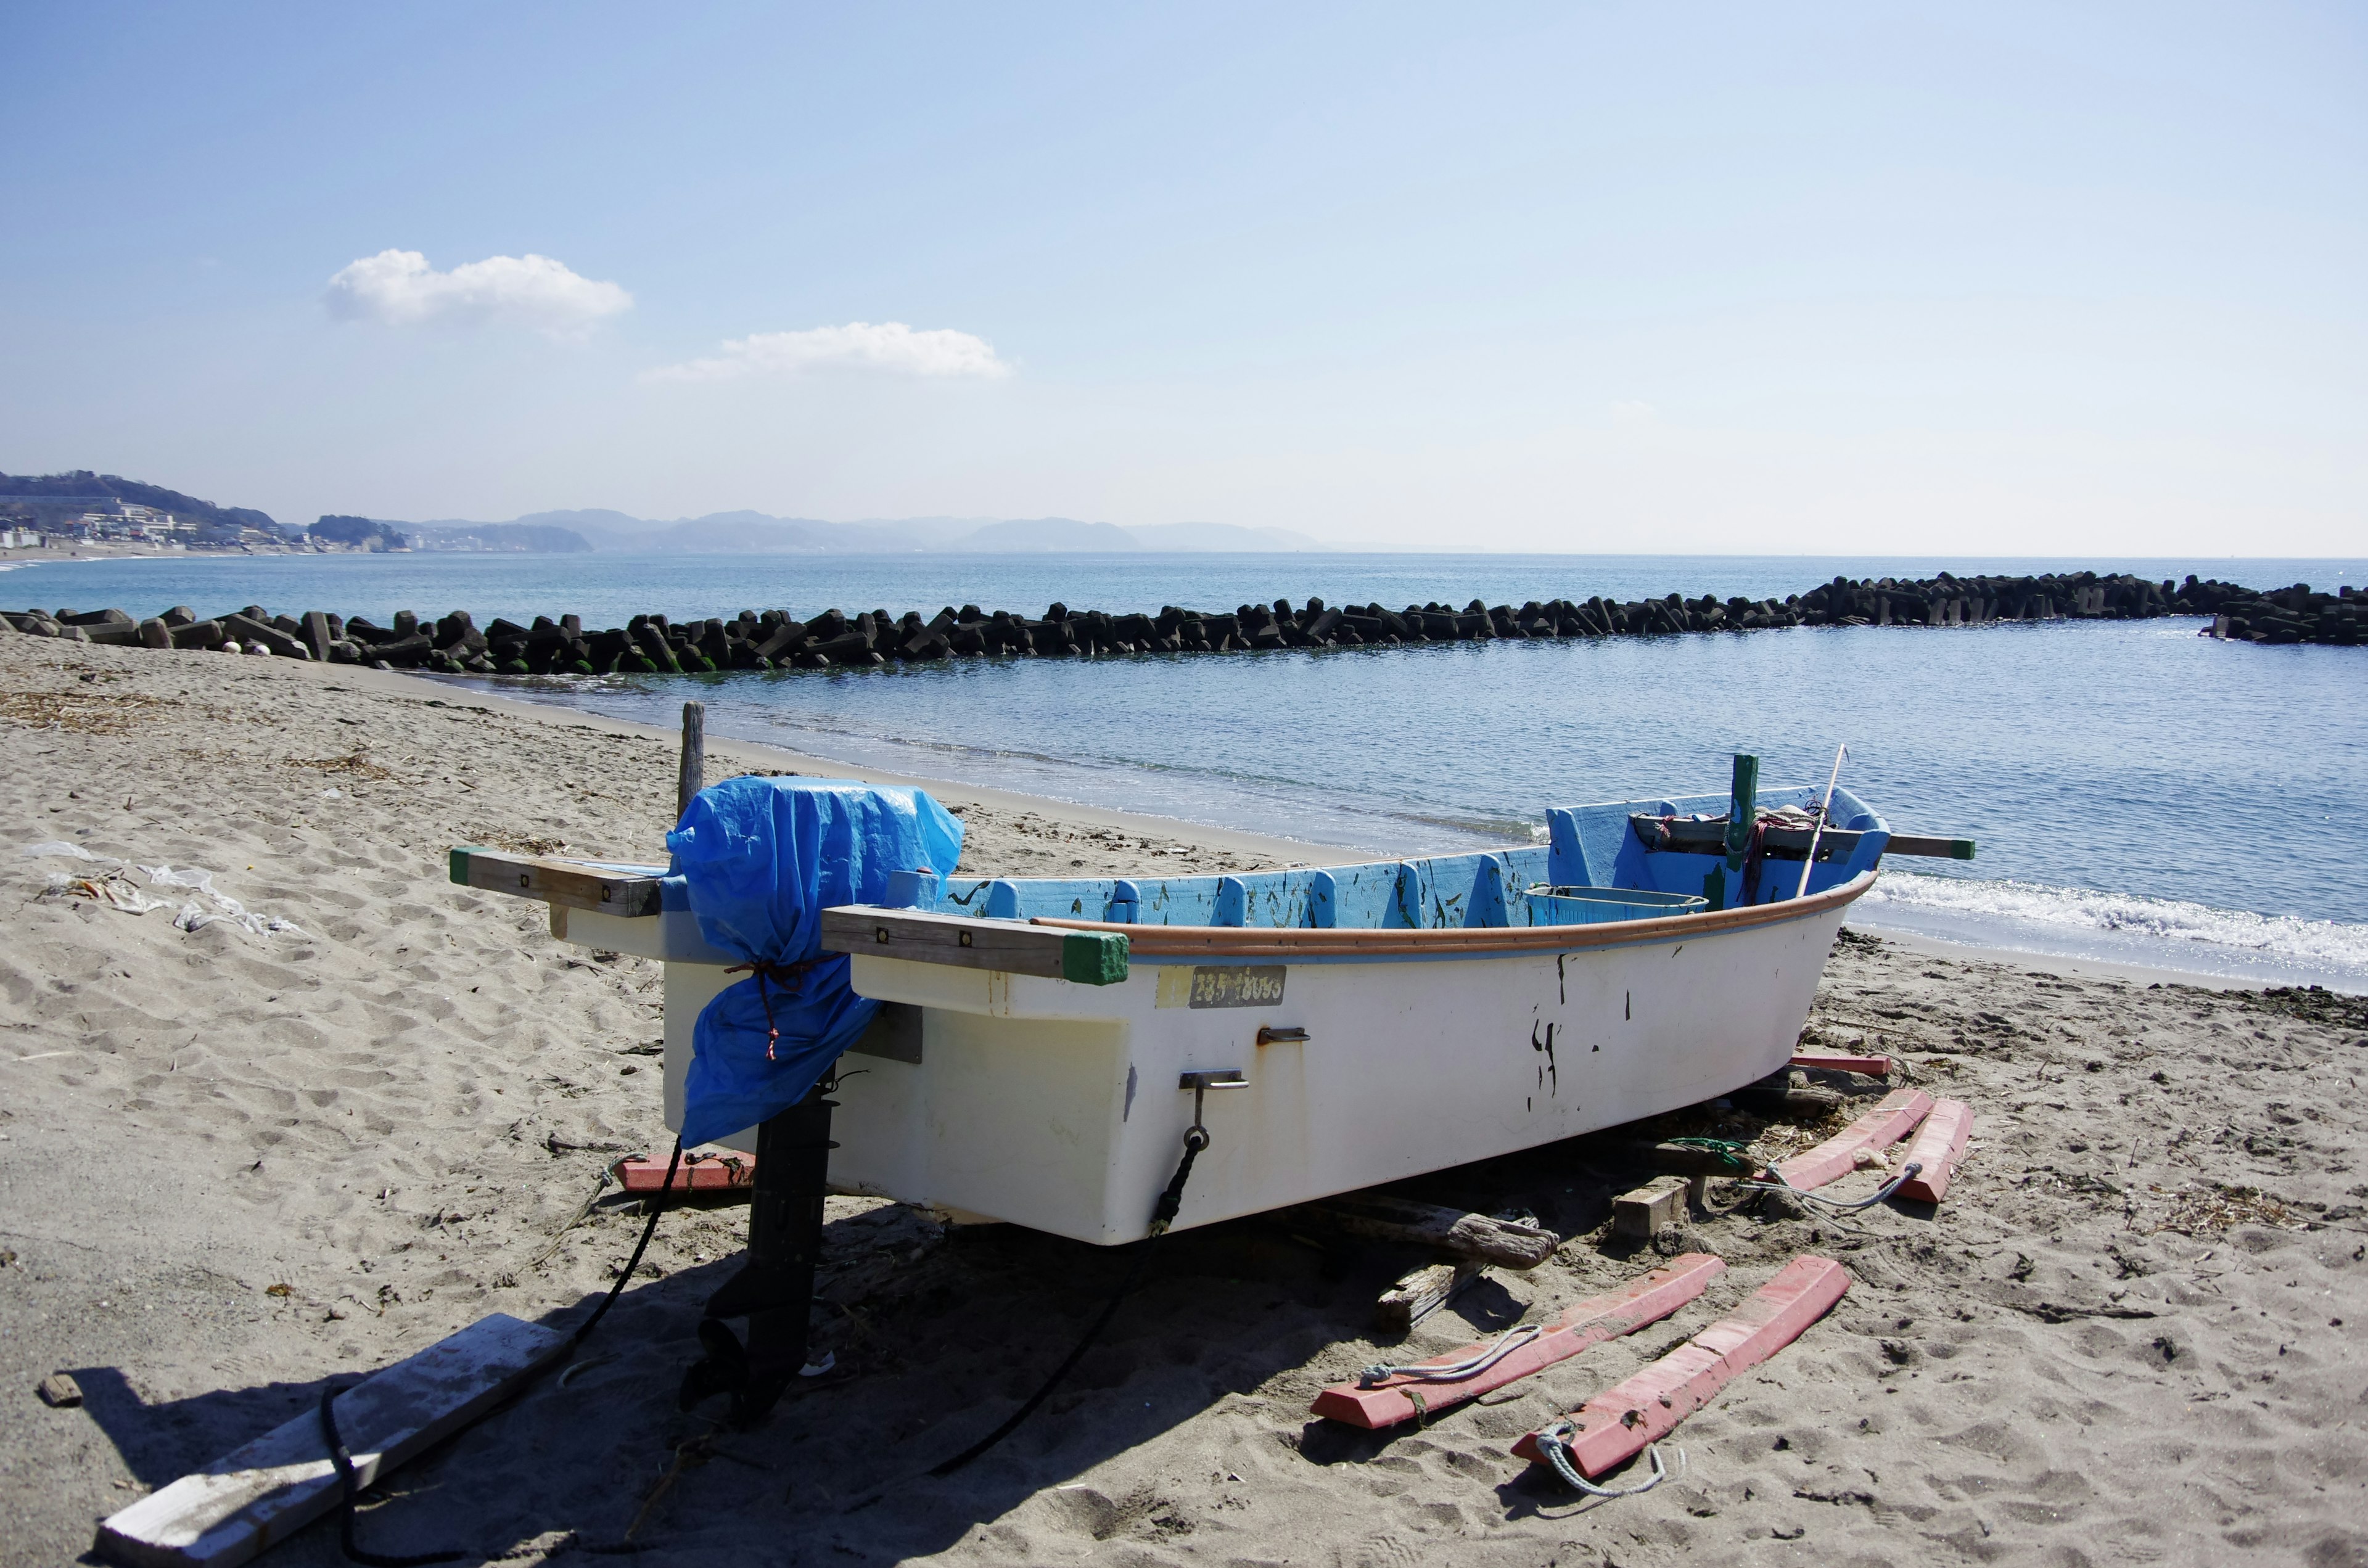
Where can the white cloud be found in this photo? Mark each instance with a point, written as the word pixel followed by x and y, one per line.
pixel 399 288
pixel 890 346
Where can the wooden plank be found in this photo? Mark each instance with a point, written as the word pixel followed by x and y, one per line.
pixel 1420 1293
pixel 1011 947
pixel 1642 1212
pixel 1939 1148
pixel 1614 1427
pixel 1647 1298
pixel 1501 1242
pixel 1834 843
pixel 1892 1117
pixel 1873 1066
pixel 573 884
pixel 258 1496
pixel 1933 848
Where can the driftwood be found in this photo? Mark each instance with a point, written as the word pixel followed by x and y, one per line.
pixel 1421 1292
pixel 1503 1241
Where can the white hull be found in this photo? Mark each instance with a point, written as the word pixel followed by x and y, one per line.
pixel 1055 1105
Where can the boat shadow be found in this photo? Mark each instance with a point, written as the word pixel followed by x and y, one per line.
pixel 936 1336
pixel 934 1342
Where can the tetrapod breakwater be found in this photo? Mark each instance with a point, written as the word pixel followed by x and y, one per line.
pixel 775 639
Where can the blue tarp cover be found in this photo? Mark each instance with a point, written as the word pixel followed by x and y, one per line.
pixel 761 858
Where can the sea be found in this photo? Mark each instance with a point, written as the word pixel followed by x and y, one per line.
pixel 2140 794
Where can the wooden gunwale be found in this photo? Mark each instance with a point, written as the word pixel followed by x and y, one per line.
pixel 1253 941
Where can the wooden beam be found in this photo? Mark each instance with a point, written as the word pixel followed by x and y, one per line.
pixel 255 1496
pixel 1834 843
pixel 692 776
pixel 1421 1292
pixel 1501 1242
pixel 1642 1212
pixel 1090 957
pixel 572 884
pixel 1933 848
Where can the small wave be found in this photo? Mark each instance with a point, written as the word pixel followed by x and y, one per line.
pixel 2177 932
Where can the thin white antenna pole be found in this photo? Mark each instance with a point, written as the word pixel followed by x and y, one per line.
pixel 1818 832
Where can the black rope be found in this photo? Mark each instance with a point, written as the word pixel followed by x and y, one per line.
pixel 348 1489
pixel 350 1486
pixel 1162 1216
pixel 657 1206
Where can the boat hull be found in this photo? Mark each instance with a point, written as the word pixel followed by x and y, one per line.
pixel 1056 1106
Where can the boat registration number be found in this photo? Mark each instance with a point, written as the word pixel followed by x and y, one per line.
pixel 1222 985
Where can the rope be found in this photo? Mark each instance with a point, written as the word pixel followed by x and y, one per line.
pixel 788 976
pixel 349 1487
pixel 1553 1443
pixel 1431 1372
pixel 1914 1167
pixel 1162 1215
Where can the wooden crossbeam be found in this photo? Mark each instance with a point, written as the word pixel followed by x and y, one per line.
pixel 1011 947
pixel 572 884
pixel 1710 837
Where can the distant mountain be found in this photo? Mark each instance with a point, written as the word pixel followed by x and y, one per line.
pixel 358 533
pixel 540 538
pixel 1196 538
pixel 82 491
pixel 1043 535
pixel 760 533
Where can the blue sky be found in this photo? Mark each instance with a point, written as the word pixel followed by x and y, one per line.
pixel 2037 279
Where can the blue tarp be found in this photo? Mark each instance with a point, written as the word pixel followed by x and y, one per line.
pixel 761 858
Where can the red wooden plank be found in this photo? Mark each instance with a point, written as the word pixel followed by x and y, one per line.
pixel 1873 1066
pixel 1939 1147
pixel 1614 1427
pixel 1645 1299
pixel 1892 1118
pixel 707 1173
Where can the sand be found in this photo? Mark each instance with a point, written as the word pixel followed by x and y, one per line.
pixel 235 1165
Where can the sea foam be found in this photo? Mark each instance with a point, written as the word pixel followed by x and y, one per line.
pixel 2122 927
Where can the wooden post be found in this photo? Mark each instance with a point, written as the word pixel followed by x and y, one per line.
pixel 693 777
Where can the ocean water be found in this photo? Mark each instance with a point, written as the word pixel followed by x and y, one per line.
pixel 2139 793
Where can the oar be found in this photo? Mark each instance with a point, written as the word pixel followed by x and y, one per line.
pixel 1818 831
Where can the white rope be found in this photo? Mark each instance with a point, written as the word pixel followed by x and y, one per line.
pixel 1514 1339
pixel 1553 1443
pixel 1915 1168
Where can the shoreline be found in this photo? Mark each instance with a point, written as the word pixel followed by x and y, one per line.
pixel 1294 852
pixel 1264 848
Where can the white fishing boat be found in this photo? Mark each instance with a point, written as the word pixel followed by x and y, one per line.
pixel 1047 1042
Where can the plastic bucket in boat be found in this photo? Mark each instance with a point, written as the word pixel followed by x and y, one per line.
pixel 1597 907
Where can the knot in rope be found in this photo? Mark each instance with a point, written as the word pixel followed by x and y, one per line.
pixel 788 976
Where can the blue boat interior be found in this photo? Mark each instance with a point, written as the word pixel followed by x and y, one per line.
pixel 1591 851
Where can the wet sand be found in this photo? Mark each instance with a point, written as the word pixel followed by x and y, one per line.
pixel 2121 1338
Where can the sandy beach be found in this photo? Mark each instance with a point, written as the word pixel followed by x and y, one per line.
pixel 243 1160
